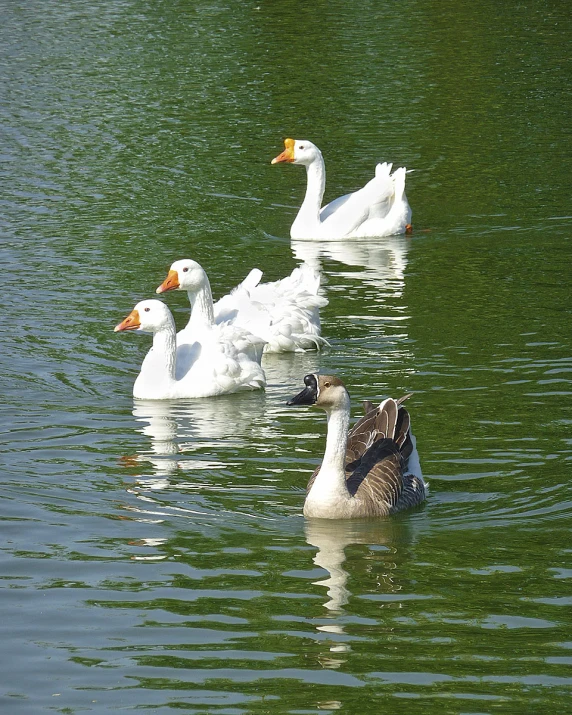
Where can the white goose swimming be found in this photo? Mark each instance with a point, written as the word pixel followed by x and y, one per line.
pixel 284 314
pixel 380 208
pixel 372 471
pixel 208 365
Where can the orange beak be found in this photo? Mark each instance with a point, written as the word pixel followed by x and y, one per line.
pixel 287 154
pixel 171 282
pixel 131 322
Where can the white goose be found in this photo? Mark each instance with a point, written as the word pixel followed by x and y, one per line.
pixel 210 364
pixel 284 314
pixel 372 471
pixel 380 208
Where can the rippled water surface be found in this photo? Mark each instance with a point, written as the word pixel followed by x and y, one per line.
pixel 154 555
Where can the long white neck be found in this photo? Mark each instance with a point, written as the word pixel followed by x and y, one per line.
pixel 165 348
pixel 158 371
pixel 329 490
pixel 336 444
pixel 309 213
pixel 202 310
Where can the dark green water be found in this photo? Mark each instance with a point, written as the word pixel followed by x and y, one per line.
pixel 154 556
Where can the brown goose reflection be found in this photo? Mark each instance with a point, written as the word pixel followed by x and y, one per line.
pixel 331 537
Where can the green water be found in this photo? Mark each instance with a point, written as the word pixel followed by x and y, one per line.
pixel 154 556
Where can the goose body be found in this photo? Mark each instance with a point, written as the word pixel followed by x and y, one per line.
pixel 380 208
pixel 371 471
pixel 207 364
pixel 285 314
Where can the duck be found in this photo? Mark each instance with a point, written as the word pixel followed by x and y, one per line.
pixel 372 471
pixel 285 314
pixel 209 365
pixel 378 209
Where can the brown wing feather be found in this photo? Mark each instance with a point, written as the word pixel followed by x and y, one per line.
pixel 403 435
pixel 402 427
pixel 413 493
pixel 377 478
pixel 377 423
pixel 388 418
pixel 401 400
pixel 362 435
pixel 312 479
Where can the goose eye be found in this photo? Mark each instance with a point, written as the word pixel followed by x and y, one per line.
pixel 301 147
pixel 147 309
pixel 185 270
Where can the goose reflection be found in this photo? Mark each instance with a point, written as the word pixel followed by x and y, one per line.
pixel 176 427
pixel 384 259
pixel 372 277
pixel 331 537
pixel 183 434
pixel 284 370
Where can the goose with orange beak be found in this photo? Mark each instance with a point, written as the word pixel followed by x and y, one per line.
pixel 211 365
pixel 283 315
pixel 380 208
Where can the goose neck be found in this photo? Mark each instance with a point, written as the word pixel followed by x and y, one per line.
pixel 315 187
pixel 165 348
pixel 336 444
pixel 202 309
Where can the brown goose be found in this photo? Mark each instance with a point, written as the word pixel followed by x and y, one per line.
pixel 372 471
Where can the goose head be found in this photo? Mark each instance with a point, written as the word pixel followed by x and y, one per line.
pixel 298 151
pixel 325 391
pixel 149 316
pixel 184 275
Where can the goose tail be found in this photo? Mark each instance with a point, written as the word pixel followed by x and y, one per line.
pixel 398 177
pixel 383 170
pixel 251 280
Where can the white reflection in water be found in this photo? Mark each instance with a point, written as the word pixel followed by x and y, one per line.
pixel 285 371
pixel 384 259
pixel 207 426
pixel 372 277
pixel 331 537
pixel 331 543
pixel 196 426
pixel 185 436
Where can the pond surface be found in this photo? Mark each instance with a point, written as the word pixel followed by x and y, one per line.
pixel 154 555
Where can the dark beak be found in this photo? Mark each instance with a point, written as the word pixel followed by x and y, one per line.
pixel 309 394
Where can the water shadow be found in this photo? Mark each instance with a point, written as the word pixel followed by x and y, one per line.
pixel 386 538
